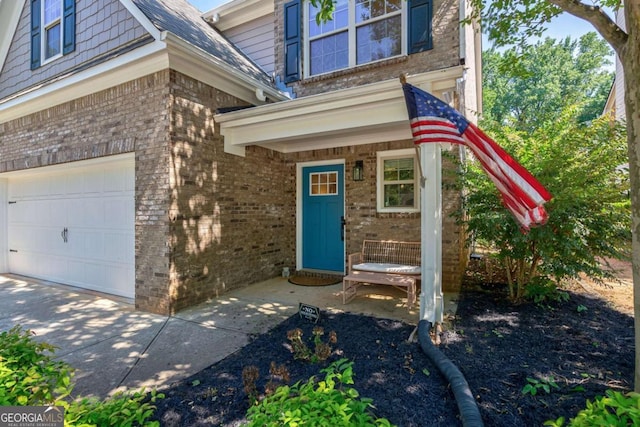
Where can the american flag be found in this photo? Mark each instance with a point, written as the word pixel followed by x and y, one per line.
pixel 432 120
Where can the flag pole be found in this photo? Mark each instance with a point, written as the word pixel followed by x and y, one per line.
pixel 403 80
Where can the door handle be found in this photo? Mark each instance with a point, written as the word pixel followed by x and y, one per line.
pixel 343 224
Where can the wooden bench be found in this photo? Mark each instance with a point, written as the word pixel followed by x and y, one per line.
pixel 383 262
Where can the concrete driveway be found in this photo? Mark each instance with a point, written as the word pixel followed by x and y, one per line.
pixel 114 347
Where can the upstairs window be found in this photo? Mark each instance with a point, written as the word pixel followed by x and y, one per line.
pixel 361 31
pixel 53 30
pixel 52 24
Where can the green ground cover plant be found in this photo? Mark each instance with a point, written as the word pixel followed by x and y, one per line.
pixel 313 403
pixel 614 409
pixel 30 376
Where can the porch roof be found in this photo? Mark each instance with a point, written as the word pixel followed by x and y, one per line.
pixel 360 115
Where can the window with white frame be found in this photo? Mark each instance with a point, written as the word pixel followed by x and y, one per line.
pixel 361 31
pixel 398 176
pixel 52 28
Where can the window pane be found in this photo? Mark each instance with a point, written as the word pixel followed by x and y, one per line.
pixel 323 183
pixel 399 195
pixel 379 40
pixel 51 11
pixel 329 53
pixel 394 5
pixel 53 41
pixel 367 9
pixel 398 170
pixel 340 19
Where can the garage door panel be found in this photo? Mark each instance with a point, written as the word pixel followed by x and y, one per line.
pixel 53 212
pixel 119 180
pixel 85 212
pixel 118 213
pixel 96 205
pixel 34 240
pixel 118 247
pixel 118 278
pixel 57 186
pixel 52 267
pixel 89 243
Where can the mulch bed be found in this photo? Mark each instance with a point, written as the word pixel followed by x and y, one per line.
pixel 583 344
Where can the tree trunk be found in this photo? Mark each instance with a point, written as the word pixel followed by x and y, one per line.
pixel 630 57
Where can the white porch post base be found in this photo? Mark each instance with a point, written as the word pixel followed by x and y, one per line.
pixel 431 301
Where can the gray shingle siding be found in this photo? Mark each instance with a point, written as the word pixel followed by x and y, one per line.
pixel 101 27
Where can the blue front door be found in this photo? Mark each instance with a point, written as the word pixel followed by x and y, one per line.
pixel 322 217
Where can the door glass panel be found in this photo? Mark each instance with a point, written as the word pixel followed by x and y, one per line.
pixel 323 184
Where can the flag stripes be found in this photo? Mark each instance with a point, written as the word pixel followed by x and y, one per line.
pixel 433 121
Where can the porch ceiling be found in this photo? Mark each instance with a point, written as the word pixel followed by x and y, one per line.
pixel 361 115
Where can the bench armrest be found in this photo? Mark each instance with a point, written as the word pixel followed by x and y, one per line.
pixel 355 258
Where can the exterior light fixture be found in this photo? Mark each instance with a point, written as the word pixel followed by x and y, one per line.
pixel 358 171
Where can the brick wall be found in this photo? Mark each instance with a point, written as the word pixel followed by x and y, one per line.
pixel 231 217
pixel 126 118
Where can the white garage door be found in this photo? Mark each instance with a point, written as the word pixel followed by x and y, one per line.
pixel 75 225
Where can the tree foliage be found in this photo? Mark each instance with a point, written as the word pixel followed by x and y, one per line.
pixel 588 215
pixel 550 75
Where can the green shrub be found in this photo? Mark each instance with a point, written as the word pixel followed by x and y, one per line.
pixel 541 290
pixel 120 410
pixel 324 403
pixel 614 409
pixel 30 376
pixel 28 373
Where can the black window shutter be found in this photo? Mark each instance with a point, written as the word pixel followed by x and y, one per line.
pixel 420 25
pixel 35 34
pixel 69 18
pixel 292 41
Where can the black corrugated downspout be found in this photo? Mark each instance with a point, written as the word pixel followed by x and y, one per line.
pixel 469 412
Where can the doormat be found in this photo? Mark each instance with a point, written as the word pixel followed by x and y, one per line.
pixel 314 281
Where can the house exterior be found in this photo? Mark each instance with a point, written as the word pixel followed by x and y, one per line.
pixel 154 153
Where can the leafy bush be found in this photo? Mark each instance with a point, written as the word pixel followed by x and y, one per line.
pixel 614 409
pixel 28 373
pixel 120 410
pixel 30 376
pixel 588 215
pixel 541 289
pixel 324 403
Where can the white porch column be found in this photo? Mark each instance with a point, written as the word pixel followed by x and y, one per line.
pixel 431 302
pixel 4 242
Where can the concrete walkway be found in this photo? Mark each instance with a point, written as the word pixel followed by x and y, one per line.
pixel 114 347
